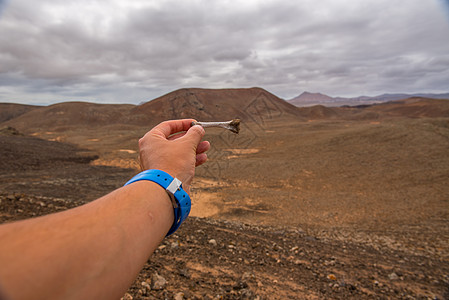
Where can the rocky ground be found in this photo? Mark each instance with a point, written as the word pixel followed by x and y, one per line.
pixel 218 259
pixel 211 259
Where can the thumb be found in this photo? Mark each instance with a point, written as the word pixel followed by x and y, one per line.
pixel 194 135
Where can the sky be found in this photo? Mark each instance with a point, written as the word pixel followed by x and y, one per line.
pixel 112 51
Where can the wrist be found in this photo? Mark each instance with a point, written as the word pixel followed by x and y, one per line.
pixel 149 201
pixel 184 177
pixel 180 199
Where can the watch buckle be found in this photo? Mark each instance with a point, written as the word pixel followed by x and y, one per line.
pixel 172 188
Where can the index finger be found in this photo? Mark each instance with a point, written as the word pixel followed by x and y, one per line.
pixel 168 128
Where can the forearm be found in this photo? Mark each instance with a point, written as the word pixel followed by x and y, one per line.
pixel 93 251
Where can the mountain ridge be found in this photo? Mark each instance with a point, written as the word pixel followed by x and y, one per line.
pixel 251 104
pixel 311 99
pixel 254 105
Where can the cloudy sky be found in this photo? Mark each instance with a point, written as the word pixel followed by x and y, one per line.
pixel 131 51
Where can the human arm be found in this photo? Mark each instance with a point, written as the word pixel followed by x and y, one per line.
pixel 95 251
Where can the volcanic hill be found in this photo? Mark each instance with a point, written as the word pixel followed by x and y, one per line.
pixel 251 104
pixel 218 104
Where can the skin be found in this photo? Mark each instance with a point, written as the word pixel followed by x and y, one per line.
pixel 95 251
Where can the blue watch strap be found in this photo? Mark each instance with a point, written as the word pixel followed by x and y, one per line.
pixel 181 207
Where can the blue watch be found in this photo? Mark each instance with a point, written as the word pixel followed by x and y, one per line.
pixel 173 186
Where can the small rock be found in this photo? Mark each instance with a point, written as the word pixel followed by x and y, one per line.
pixel 175 245
pixel 248 275
pixel 178 296
pixel 331 277
pixel 184 272
pixel 246 294
pixel 157 282
pixel 146 285
pixel 213 242
pixel 275 247
pixel 127 297
pixel 240 285
pixel 393 276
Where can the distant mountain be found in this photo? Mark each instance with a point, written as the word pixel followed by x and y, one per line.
pixel 311 99
pixel 415 107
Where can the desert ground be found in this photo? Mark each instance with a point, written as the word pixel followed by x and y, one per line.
pixel 305 203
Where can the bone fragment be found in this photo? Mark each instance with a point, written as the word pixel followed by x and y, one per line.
pixel 233 125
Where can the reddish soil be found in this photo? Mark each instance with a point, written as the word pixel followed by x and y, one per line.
pixel 244 261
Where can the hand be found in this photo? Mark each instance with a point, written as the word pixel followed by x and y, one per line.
pixel 174 147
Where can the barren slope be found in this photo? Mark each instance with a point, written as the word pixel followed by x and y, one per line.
pixel 413 108
pixel 61 116
pixel 210 259
pixel 9 111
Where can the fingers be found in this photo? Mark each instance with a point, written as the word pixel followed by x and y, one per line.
pixel 167 128
pixel 200 159
pixel 202 147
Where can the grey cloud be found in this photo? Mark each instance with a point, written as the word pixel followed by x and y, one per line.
pixel 111 51
pixel 2 5
pixel 232 54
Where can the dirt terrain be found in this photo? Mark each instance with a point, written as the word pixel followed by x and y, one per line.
pixel 317 202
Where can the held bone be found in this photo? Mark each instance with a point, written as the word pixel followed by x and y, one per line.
pixel 233 125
